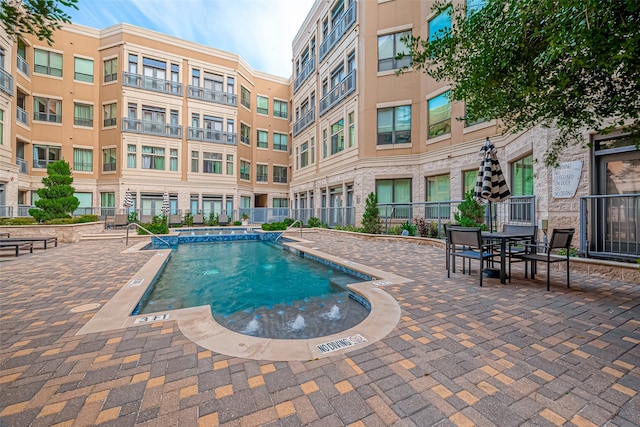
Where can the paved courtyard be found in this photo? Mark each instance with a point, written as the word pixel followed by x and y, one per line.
pixel 503 355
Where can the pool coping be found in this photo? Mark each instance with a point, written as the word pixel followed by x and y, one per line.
pixel 198 324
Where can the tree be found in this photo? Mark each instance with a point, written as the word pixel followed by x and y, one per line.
pixel 570 64
pixel 371 217
pixel 38 17
pixel 56 197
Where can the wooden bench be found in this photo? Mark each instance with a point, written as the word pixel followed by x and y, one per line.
pixel 17 246
pixel 44 240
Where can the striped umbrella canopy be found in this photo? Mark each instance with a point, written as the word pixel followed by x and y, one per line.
pixel 128 199
pixel 491 184
pixel 165 204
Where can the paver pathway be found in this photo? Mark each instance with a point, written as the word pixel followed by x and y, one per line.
pixel 462 355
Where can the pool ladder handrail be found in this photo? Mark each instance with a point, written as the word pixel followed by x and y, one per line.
pixel 290 226
pixel 126 242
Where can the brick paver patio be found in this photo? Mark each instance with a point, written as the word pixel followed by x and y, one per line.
pixel 461 355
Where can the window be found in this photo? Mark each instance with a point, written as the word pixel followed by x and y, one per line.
pixel 352 129
pixel 108 160
pixel 468 122
pixel 337 136
pixel 324 143
pixel 194 161
pixel 280 203
pixel 439 115
pixel 108 200
pixel 110 111
pixel 82 160
pixel 111 70
pixel 152 157
pixel 131 156
pixel 245 170
pixel 313 149
pixel 469 184
pixel 173 159
pixel 231 85
pixel 394 191
pixel 440 25
pixel 47 110
pixel 263 139
pixel 522 177
pixel 280 174
pixel 212 163
pixel 262 173
pixel 337 76
pixel 336 13
pixel 83 115
pixel 280 109
pixel 245 134
pixel 47 63
pixel 45 154
pixel 175 78
pixel 438 191
pixel 304 154
pixel 83 70
pixel 279 141
pixel 263 105
pixel 394 125
pixel 389 46
pixel 245 97
pixel 1 127
pixel 229 164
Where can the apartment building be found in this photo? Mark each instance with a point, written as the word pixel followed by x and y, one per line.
pixel 358 127
pixel 131 109
pixel 135 109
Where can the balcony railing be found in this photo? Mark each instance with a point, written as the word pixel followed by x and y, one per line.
pixel 306 70
pixel 338 93
pixel 208 135
pixel 23 66
pixel 22 116
pixel 151 83
pixel 23 164
pixel 211 95
pixel 610 226
pixel 6 82
pixel 307 118
pixel 42 163
pixel 6 211
pixel 151 128
pixel 344 23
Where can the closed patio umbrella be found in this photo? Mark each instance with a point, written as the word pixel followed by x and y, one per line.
pixel 128 199
pixel 165 204
pixel 491 184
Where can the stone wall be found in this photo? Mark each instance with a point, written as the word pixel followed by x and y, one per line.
pixel 66 233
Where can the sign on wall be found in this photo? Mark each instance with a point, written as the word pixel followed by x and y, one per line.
pixel 566 178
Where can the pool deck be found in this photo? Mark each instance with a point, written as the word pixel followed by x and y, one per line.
pixel 502 355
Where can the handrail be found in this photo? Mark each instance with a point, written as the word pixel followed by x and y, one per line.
pixel 126 242
pixel 291 225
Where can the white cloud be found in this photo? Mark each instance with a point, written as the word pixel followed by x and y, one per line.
pixel 260 31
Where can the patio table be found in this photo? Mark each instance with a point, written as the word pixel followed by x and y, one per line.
pixel 503 238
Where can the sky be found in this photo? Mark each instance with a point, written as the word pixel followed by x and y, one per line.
pixel 260 31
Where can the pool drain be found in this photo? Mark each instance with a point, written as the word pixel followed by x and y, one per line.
pixel 85 307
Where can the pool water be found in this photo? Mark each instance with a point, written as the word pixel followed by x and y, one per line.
pixel 257 288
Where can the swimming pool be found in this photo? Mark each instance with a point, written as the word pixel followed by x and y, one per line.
pixel 258 288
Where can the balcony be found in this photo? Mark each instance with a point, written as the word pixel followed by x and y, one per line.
pixel 209 135
pixel 345 22
pixel 147 127
pixel 151 83
pixel 306 119
pixel 23 164
pixel 338 92
pixel 6 82
pixel 22 116
pixel 304 74
pixel 210 95
pixel 23 66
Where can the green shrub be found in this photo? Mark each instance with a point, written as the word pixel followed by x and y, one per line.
pixel 18 221
pixel 86 218
pixel 157 226
pixel 56 197
pixel 426 228
pixel 188 219
pixel 236 223
pixel 573 252
pixel 133 216
pixel 315 222
pixel 470 212
pixel 274 226
pixel 410 227
pixel 349 227
pixel 395 230
pixel 213 219
pixel 371 217
pixel 288 221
